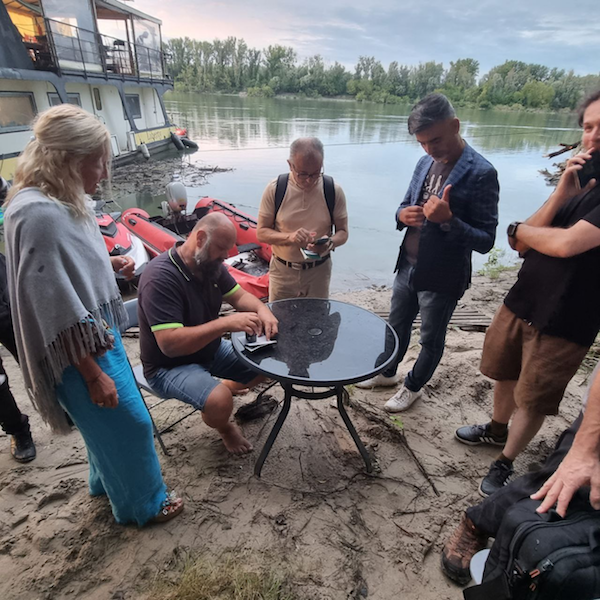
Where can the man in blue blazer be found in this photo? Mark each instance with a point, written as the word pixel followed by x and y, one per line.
pixel 450 209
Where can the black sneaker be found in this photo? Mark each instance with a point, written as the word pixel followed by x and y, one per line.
pixel 22 447
pixel 496 478
pixel 473 435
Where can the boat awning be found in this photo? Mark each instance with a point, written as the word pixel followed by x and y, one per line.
pixel 113 9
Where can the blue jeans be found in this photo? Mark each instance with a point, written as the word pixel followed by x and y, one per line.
pixel 193 383
pixel 436 309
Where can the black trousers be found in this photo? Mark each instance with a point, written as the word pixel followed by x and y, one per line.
pixel 12 420
pixel 487 516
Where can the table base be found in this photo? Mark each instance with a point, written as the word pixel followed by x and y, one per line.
pixel 292 392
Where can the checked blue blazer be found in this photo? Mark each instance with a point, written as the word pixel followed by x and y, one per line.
pixel 444 259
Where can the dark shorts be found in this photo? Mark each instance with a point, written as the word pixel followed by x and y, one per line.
pixel 542 365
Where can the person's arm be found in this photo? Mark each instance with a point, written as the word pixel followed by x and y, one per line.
pixel 162 304
pixel 566 189
pixel 101 387
pixel 266 232
pixel 244 302
pixel 581 465
pixel 480 233
pixel 555 241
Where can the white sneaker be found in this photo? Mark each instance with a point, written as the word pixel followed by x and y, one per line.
pixel 402 400
pixel 379 380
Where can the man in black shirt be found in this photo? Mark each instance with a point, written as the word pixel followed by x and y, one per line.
pixel 12 421
pixel 180 295
pixel 550 317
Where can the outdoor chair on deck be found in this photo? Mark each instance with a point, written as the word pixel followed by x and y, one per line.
pixel 143 385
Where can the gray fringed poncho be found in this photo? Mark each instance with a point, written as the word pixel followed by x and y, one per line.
pixel 63 294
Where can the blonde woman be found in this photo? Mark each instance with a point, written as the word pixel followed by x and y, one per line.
pixel 67 312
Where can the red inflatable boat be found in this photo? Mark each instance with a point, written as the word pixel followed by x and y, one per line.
pixel 248 261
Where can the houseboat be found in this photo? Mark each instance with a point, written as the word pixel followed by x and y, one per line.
pixel 103 55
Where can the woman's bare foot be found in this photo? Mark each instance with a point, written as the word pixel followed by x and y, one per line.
pixel 234 441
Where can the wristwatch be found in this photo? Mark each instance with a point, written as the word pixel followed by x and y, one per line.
pixel 512 229
pixel 446 226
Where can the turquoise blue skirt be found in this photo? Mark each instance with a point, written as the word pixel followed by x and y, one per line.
pixel 119 441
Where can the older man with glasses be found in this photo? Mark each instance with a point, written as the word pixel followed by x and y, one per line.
pixel 303 216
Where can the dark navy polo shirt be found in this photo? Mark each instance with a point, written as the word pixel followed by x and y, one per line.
pixel 171 296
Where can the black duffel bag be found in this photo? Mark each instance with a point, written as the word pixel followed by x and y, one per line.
pixel 543 557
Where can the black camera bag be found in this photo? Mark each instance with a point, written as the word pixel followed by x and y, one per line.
pixel 543 557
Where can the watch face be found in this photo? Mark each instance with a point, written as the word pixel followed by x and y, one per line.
pixel 512 229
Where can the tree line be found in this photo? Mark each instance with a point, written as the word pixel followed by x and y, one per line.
pixel 230 65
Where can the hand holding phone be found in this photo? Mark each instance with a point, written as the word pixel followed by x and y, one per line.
pixel 590 170
pixel 324 240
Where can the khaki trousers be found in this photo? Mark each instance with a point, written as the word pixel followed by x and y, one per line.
pixel 285 282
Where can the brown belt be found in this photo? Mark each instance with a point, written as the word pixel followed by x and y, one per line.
pixel 300 266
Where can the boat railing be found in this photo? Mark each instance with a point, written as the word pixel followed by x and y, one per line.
pixel 66 47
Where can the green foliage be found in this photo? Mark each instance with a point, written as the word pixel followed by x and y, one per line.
pixel 397 421
pixel 231 66
pixel 495 264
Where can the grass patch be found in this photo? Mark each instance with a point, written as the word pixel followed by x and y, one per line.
pixel 496 263
pixel 228 577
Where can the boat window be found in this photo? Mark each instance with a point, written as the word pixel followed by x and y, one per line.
pixel 147 48
pixel 133 103
pixel 17 110
pixel 97 99
pixel 55 100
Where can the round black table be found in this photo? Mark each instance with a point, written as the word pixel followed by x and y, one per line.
pixel 324 344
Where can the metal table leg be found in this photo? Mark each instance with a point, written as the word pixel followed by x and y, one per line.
pixel 350 426
pixel 287 402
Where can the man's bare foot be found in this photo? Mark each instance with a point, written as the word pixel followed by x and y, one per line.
pixel 234 441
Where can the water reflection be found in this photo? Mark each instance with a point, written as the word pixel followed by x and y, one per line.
pixel 239 122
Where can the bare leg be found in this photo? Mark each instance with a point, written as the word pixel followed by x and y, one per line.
pixel 525 424
pixel 504 401
pixel 216 413
pixel 241 388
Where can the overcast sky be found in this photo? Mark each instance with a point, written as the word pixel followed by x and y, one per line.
pixel 555 33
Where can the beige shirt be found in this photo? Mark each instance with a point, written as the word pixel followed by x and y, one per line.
pixel 301 208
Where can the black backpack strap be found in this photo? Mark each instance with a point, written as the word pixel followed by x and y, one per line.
pixel 329 190
pixel 280 189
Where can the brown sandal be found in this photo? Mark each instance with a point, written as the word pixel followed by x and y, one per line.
pixel 171 506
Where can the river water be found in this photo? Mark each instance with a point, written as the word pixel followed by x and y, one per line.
pixel 369 153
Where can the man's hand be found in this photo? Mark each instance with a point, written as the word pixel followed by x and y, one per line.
pixel 301 237
pixel 412 216
pixel 249 322
pixel 124 265
pixel 322 249
pixel 568 185
pixel 269 322
pixel 437 210
pixel 579 468
pixel 102 391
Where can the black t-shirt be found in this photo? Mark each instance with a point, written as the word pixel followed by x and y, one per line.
pixel 432 186
pixel 560 296
pixel 170 296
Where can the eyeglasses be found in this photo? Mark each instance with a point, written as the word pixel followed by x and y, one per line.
pixel 306 176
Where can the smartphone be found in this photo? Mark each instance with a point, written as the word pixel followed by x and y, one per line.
pixel 590 170
pixel 321 241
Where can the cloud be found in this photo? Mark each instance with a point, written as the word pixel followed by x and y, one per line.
pixel 411 31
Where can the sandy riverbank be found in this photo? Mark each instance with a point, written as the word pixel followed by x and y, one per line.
pixel 332 531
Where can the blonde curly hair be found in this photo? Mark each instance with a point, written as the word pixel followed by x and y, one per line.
pixel 64 136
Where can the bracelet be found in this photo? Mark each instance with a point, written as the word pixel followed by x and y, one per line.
pixel 90 381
